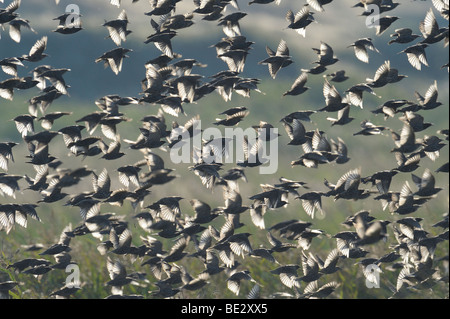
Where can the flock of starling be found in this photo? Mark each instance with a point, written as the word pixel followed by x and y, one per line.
pixel 214 235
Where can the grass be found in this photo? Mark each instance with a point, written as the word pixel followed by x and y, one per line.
pixel 369 153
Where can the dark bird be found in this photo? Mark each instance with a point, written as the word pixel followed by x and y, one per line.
pixel 8 14
pixel 298 87
pixel 48 119
pixel 317 150
pixel 318 4
pixel 443 168
pixel 277 245
pixel 361 46
pixel 56 249
pixel 9 65
pixel 313 291
pixel 120 240
pixel 55 76
pixel 272 197
pixel 165 290
pixel 333 100
pixel 15 27
pixel 162 40
pixel 364 214
pixel 177 21
pixel 343 117
pixel 176 252
pixel 416 55
pixel 406 203
pixel 338 76
pixel 300 20
pixel 425 184
pixel 415 120
pixel 382 180
pixel 196 283
pixel 7 88
pixel 403 36
pixel 385 75
pixel 118 28
pixel 235 59
pixel 329 266
pixel 6 154
pixel 203 212
pixel 11 214
pixel 355 94
pixel 114 59
pixel 442 7
pixel 21 265
pixel 129 174
pixel 69 23
pixel 406 142
pixel 230 24
pixel 118 275
pixel 277 2
pixel 162 7
pixel 277 60
pixel 370 233
pixel 233 202
pixel 310 267
pixel 65 291
pixel 392 107
pixel 429 101
pixel 252 151
pixel 340 148
pixel 288 275
pixel 5 287
pixel 347 186
pixel 36 53
pixel 311 202
pixel 407 163
pixel 383 23
pixel 147 139
pixel 430 29
pixel 41 155
pixel 233 119
pixel 9 184
pixel 368 128
pixel 325 54
pixel 299 115
pixel 234 281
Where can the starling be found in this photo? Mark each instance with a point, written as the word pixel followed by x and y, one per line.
pixel 333 100
pixel 383 23
pixel 114 59
pixel 429 101
pixel 6 154
pixel 425 184
pixel 300 20
pixel 416 55
pixel 326 55
pixel 430 29
pixel 343 117
pixel 118 28
pixel 338 76
pixel 403 36
pixel 277 60
pixel 298 87
pixel 36 53
pixel 230 24
pixel 360 47
pixel 8 14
